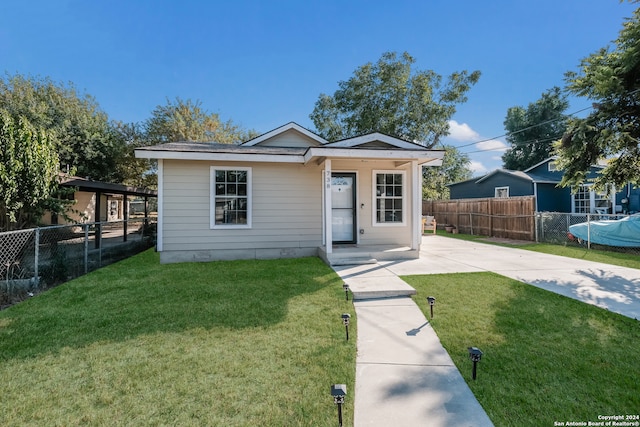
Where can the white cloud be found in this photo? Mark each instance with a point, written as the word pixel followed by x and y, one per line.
pixel 492 145
pixel 477 167
pixel 462 131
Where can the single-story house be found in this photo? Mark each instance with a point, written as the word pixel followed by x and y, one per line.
pixel 541 181
pixel 96 201
pixel 290 193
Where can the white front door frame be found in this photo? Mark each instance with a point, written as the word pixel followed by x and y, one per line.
pixel 328 228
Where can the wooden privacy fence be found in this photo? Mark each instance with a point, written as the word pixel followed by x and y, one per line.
pixel 511 218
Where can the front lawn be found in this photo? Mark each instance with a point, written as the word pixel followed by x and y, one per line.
pixel 547 358
pixel 138 343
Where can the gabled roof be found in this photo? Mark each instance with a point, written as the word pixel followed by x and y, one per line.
pixel 374 146
pixel 515 174
pixel 547 160
pixel 304 155
pixel 520 175
pixel 376 136
pixel 282 129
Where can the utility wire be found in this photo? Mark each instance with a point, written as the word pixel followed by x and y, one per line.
pixel 633 92
pixel 529 142
pixel 527 128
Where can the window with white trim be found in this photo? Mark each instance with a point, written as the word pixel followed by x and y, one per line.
pixel 231 197
pixel 586 200
pixel 389 195
pixel 502 192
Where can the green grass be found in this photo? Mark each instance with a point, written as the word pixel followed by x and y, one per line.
pixel 608 257
pixel 138 343
pixel 546 357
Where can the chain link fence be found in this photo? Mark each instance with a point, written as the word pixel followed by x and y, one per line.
pixel 553 227
pixel 36 259
pixel 543 227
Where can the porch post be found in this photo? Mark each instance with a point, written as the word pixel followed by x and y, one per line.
pixel 417 205
pixel 328 238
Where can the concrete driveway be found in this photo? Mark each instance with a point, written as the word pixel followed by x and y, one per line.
pixel 614 288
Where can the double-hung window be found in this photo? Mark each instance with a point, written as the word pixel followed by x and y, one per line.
pixel 389 194
pixel 231 197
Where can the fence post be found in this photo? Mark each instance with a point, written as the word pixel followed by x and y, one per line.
pixel 588 231
pixel 86 248
pixel 36 272
pixel 490 217
pixel 99 242
pixel 471 222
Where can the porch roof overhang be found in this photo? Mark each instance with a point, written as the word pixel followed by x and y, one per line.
pixel 301 155
pixel 87 185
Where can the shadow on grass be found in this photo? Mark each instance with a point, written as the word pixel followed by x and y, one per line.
pixel 140 296
pixel 546 357
pixel 598 287
pixel 560 354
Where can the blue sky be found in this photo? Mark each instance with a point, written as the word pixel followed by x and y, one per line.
pixel 263 64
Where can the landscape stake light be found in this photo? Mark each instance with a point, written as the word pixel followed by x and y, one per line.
pixel 432 302
pixel 339 391
pixel 475 354
pixel 345 321
pixel 346 291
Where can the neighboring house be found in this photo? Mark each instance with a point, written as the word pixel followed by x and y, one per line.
pixel 541 180
pixel 96 201
pixel 289 193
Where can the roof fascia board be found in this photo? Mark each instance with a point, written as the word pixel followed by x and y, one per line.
pixel 434 158
pixel 291 125
pixel 230 157
pixel 548 159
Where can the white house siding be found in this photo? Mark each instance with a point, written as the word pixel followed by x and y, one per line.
pixel 286 213
pixel 376 234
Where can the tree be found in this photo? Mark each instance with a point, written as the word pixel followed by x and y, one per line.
pixel 83 136
pixel 388 97
pixel 28 171
pixel 531 131
pixel 611 79
pixel 134 172
pixel 181 120
pixel 455 168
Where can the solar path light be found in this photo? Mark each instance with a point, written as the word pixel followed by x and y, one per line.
pixel 339 391
pixel 346 291
pixel 432 302
pixel 475 354
pixel 345 321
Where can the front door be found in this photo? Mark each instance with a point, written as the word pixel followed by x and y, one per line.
pixel 343 212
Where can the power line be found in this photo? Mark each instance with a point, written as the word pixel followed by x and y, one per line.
pixel 529 127
pixel 531 141
pixel 595 105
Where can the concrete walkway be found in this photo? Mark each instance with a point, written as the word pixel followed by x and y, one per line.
pixel 404 377
pixel 614 288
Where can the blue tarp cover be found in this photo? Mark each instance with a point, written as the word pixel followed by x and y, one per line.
pixel 623 233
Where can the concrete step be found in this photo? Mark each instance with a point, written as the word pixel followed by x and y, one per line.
pixel 369 294
pixel 353 261
pixel 373 282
